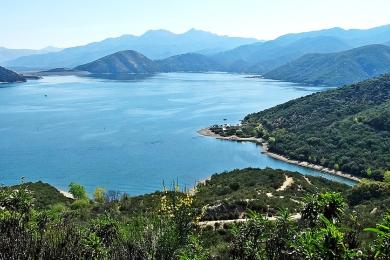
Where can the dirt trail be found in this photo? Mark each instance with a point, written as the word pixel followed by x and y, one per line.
pixel 287 183
pixel 212 223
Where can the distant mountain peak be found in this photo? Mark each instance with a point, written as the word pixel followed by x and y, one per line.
pixel 194 30
pixel 157 32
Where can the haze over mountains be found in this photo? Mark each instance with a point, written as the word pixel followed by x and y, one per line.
pixel 11 54
pixel 263 57
pixel 155 44
pixel 260 58
pixel 352 37
pixel 330 56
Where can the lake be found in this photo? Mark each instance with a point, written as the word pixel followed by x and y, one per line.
pixel 132 136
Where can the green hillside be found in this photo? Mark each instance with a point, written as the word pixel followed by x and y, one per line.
pixel 345 129
pixel 336 68
pixel 44 194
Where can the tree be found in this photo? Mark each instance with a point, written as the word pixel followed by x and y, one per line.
pixel 77 190
pixel 387 176
pixel 327 242
pixel 250 238
pixel 99 195
pixel 381 245
pixel 329 204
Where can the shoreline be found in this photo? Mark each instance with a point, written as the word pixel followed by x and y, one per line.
pixel 208 133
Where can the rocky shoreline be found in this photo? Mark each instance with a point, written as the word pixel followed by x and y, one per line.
pixel 263 143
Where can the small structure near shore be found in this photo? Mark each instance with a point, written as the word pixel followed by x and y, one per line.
pixel 226 129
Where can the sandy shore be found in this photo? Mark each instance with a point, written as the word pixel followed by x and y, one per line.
pixel 209 133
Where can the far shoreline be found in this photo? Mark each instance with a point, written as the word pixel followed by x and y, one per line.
pixel 208 133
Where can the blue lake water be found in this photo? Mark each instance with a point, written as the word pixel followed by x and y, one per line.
pixel 131 136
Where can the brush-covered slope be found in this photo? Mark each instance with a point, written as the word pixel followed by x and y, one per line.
pixel 45 195
pixel 9 76
pixel 121 62
pixel 336 68
pixel 229 195
pixel 346 129
pixel 190 62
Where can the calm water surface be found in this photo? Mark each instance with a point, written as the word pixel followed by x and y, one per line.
pixel 132 135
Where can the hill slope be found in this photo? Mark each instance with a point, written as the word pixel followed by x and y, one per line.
pixel 262 57
pixel 156 44
pixel 336 68
pixel 229 195
pixel 121 62
pixel 45 195
pixel 125 62
pixel 250 205
pixel 346 128
pixel 9 76
pixel 190 62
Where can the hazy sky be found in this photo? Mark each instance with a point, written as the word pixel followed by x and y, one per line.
pixel 39 23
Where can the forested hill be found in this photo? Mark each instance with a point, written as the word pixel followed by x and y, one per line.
pixel 121 62
pixel 9 76
pixel 336 69
pixel 346 129
pixel 189 62
pixel 134 62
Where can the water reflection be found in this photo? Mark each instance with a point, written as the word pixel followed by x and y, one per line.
pixel 121 76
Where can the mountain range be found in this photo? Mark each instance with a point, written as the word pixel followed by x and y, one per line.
pixel 331 56
pixel 155 44
pixel 318 69
pixel 352 37
pixel 11 54
pixel 133 62
pixel 336 68
pixel 263 57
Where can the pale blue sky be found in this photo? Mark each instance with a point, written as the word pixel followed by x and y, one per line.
pixel 39 23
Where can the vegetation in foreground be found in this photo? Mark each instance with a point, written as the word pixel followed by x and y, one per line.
pixel 336 222
pixel 345 129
